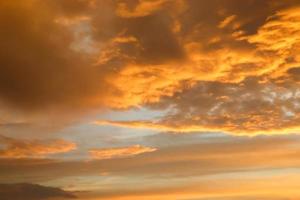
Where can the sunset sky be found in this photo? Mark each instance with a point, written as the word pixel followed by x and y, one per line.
pixel 149 99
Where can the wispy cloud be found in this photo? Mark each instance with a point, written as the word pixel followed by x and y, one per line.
pixel 17 148
pixel 119 152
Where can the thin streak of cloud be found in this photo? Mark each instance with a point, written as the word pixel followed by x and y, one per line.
pixel 119 152
pixel 14 148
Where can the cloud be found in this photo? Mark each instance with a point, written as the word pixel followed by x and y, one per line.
pixel 243 108
pixel 120 152
pixel 153 125
pixel 143 8
pixel 226 21
pixel 17 148
pixel 294 73
pixel 225 66
pixel 170 171
pixel 243 58
pixel 38 68
pixel 78 57
pixel 212 157
pixel 27 191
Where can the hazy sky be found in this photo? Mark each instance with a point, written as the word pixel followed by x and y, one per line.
pixel 149 99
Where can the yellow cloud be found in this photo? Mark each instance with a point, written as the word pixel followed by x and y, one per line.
pixel 120 152
pixel 148 52
pixel 227 21
pixel 16 148
pixel 258 76
pixel 143 8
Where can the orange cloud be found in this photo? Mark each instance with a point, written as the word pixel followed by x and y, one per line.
pixel 225 66
pixel 212 157
pixel 142 9
pixel 152 125
pixel 222 170
pixel 239 57
pixel 227 21
pixel 187 128
pixel 121 152
pixel 277 42
pixel 235 108
pixel 15 148
pixel 119 55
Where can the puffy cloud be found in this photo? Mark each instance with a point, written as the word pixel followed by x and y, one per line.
pixel 119 152
pixel 248 108
pixel 245 50
pixel 221 65
pixel 17 148
pixel 277 41
pixel 234 88
pixel 38 67
pixel 27 191
pixel 81 56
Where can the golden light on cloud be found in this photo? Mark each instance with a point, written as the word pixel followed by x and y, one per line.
pixel 154 125
pixel 143 8
pixel 102 75
pixel 143 61
pixel 187 128
pixel 119 152
pixel 265 60
pixel 14 148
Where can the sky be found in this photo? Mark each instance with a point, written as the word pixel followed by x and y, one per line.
pixel 149 99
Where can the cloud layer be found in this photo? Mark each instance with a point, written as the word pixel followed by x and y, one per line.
pixel 197 170
pixel 97 74
pixel 120 54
